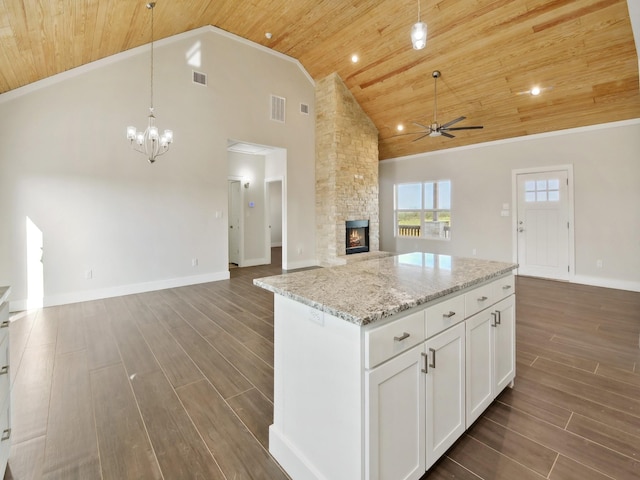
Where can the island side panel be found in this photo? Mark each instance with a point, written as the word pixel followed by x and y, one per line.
pixel 318 394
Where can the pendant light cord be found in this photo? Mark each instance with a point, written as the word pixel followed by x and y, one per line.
pixel 150 6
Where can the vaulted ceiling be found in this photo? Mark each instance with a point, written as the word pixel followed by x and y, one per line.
pixel 490 52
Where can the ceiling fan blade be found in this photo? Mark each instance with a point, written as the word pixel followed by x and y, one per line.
pixel 459 119
pixel 420 137
pixel 470 127
pixel 426 127
pixel 445 134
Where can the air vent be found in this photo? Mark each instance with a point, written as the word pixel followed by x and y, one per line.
pixel 277 108
pixel 304 109
pixel 200 78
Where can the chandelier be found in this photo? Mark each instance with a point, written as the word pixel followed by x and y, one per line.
pixel 149 142
pixel 419 33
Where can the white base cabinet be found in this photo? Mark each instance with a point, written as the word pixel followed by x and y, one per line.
pixel 445 387
pixel 5 383
pixel 385 401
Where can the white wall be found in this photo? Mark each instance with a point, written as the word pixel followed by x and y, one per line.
pixel 65 164
pixel 606 166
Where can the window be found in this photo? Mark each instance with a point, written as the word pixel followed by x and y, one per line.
pixel 423 209
pixel 542 190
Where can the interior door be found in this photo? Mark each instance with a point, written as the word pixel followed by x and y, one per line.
pixel 234 222
pixel 543 224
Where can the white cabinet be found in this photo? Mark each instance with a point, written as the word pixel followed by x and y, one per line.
pixel 445 391
pixel 394 415
pixel 5 396
pixel 384 401
pixel 490 351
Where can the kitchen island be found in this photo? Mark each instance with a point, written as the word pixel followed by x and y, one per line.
pixel 381 365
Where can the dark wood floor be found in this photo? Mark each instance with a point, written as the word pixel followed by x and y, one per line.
pixel 178 384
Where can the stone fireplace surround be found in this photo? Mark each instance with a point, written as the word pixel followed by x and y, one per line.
pixel 346 172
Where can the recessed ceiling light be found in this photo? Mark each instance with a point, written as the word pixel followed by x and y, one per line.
pixel 535 91
pixel 400 127
pixel 268 35
pixel 354 58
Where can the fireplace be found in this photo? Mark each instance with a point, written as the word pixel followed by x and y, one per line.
pixel 357 239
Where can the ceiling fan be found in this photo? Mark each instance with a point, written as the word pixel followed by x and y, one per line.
pixel 435 129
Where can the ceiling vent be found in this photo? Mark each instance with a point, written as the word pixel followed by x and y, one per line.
pixel 277 108
pixel 304 109
pixel 200 78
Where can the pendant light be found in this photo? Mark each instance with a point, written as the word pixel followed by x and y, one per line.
pixel 149 142
pixel 419 33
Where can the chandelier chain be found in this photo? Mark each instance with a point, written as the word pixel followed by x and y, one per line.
pixel 150 6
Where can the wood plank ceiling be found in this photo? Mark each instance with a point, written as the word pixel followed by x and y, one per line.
pixel 490 53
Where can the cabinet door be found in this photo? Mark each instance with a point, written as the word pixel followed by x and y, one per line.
pixel 445 391
pixel 479 361
pixel 394 412
pixel 504 344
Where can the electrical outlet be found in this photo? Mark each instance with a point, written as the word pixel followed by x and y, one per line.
pixel 473 252
pixel 194 262
pixel 598 263
pixel 88 275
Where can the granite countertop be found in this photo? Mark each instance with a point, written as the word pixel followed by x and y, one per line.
pixel 4 293
pixel 363 292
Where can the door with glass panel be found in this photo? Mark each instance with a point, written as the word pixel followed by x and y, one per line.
pixel 543 226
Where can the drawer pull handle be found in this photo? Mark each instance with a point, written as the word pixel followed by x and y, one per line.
pixel 4 370
pixel 499 319
pixel 6 434
pixel 506 287
pixel 4 324
pixel 426 363
pixel 404 336
pixel 448 315
pixel 433 355
pixel 495 319
pixel 483 298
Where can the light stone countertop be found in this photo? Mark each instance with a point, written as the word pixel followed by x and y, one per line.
pixel 4 293
pixel 363 292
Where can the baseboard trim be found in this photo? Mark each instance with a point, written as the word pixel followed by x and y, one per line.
pixel 606 283
pixel 88 295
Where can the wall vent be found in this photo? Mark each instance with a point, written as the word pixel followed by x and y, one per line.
pixel 199 78
pixel 277 108
pixel 304 109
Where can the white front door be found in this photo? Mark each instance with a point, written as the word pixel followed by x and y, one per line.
pixel 234 222
pixel 543 228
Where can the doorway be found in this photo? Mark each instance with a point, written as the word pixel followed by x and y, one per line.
pixel 543 227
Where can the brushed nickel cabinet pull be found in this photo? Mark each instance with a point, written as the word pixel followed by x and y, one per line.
pixel 4 370
pixel 6 434
pixel 483 298
pixel 433 355
pixel 448 315
pixel 495 319
pixel 404 336
pixel 4 324
pixel 426 363
pixel 506 287
pixel 498 320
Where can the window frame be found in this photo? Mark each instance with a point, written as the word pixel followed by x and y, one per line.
pixel 423 212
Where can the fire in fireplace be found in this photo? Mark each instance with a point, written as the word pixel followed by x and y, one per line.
pixel 357 238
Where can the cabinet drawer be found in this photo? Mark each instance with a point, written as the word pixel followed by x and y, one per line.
pixel 4 321
pixel 382 343
pixel 479 298
pixel 504 287
pixel 443 315
pixel 4 368
pixel 5 434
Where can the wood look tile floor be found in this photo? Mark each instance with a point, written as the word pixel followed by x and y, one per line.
pixel 178 384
